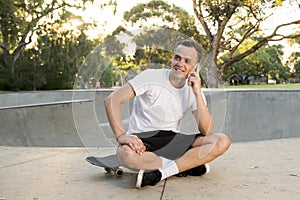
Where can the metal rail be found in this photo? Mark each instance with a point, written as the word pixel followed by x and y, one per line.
pixel 45 104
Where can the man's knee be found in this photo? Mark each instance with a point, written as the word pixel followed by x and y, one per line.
pixel 126 156
pixel 223 143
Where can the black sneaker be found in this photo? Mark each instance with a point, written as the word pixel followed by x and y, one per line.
pixel 148 178
pixel 197 171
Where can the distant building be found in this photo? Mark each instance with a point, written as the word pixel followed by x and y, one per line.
pixel 237 79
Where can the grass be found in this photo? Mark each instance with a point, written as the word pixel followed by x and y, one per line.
pixel 267 86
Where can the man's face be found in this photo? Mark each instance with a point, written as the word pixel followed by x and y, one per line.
pixel 183 61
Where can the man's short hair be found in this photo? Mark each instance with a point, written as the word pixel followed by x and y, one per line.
pixel 191 43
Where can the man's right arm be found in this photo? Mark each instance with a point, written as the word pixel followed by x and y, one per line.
pixel 113 108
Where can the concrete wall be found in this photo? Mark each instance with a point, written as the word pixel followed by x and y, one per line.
pixel 263 114
pixel 245 115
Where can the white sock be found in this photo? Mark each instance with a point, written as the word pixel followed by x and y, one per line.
pixel 164 161
pixel 169 170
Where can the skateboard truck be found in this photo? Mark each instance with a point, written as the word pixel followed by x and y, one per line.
pixel 117 172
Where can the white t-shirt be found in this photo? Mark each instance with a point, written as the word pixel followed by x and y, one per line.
pixel 157 104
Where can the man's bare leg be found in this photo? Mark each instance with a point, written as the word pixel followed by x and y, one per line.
pixel 130 159
pixel 205 149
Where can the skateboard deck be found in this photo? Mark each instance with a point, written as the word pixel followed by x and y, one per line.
pixel 109 163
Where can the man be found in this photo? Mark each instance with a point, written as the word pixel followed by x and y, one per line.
pixel 152 143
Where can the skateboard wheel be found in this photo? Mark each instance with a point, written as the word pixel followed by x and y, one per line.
pixel 107 169
pixel 119 172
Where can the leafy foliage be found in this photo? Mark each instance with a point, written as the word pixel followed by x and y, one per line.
pixel 265 62
pixel 51 61
pixel 228 24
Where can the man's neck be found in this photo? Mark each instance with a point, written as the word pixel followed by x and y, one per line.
pixel 175 81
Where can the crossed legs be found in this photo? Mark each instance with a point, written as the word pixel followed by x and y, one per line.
pixel 204 150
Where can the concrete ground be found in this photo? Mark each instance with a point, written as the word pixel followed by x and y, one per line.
pixel 253 170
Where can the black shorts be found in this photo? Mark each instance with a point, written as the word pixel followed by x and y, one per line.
pixel 167 144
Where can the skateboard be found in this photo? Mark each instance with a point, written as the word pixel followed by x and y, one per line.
pixel 109 163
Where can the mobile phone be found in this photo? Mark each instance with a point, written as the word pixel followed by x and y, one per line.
pixel 195 69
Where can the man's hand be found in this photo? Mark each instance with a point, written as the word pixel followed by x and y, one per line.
pixel 194 80
pixel 133 142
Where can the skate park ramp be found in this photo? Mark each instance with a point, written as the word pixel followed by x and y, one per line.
pixel 47 118
pixel 33 121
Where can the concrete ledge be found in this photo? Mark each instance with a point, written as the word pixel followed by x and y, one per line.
pixel 254 170
pixel 53 103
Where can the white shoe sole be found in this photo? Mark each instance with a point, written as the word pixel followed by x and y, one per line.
pixel 207 168
pixel 139 179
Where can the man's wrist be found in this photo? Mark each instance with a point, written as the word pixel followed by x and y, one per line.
pixel 117 137
pixel 199 95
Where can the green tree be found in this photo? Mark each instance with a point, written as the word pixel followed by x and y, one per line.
pixel 154 48
pixel 99 63
pixel 21 21
pixel 161 26
pixel 228 24
pixel 266 62
pixel 54 61
pixel 29 71
pixel 157 14
pixel 294 63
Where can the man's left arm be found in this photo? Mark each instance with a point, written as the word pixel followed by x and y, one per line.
pixel 202 115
